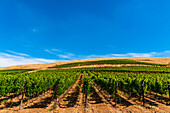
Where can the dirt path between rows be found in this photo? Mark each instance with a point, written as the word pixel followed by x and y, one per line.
pixel 70 102
pixel 73 101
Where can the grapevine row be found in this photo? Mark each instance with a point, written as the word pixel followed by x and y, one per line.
pixel 36 83
pixel 135 83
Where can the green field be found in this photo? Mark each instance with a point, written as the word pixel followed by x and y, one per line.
pixel 133 81
pixel 36 82
pixel 129 69
pixel 14 71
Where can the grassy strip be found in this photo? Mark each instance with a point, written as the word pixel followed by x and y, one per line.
pixel 141 69
pixel 130 69
pixel 14 71
pixel 117 61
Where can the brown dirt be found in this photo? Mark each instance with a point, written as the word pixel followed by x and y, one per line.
pixel 161 60
pixel 133 104
pixel 72 101
pixel 98 102
pixel 30 103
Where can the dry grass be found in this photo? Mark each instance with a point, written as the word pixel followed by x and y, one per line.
pixel 160 60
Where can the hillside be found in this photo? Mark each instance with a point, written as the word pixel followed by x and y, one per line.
pixel 110 85
pixel 159 60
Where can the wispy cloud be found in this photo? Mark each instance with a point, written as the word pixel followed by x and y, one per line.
pixel 151 54
pixel 53 51
pixel 15 58
pixel 10 60
pixel 21 54
pixel 71 56
pixel 48 51
pixel 60 53
pixel 56 50
pixel 67 55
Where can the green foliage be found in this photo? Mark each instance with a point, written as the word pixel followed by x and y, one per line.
pixel 13 71
pixel 132 82
pixel 136 69
pixel 36 82
pixel 40 81
pixel 129 69
pixel 86 81
pixel 107 83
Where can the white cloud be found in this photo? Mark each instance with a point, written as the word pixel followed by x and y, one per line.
pixel 63 56
pixel 67 55
pixel 151 54
pixel 72 56
pixel 21 54
pixel 56 50
pixel 15 58
pixel 10 60
pixel 60 54
pixel 48 51
pixel 52 51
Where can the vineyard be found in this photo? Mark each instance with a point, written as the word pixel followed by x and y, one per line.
pixel 106 89
pixel 137 69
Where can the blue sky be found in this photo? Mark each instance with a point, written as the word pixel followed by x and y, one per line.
pixel 45 31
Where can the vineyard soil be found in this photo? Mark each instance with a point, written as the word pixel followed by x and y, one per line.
pixel 73 99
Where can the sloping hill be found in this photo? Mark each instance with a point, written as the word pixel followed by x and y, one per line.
pixel 103 62
pixel 159 60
